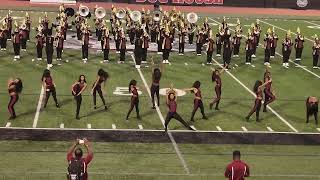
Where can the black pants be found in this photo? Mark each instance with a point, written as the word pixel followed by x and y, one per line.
pixel 219 46
pixel 144 54
pixel 181 48
pixel 122 54
pixel 59 53
pixel 273 51
pixel 190 36
pixel 199 48
pixel 268 98
pixel 166 53
pixel 85 49
pixel 197 104
pixel 153 37
pixel 48 93
pixel 99 34
pixel 236 49
pixel 118 45
pixel 267 53
pixel 23 43
pixel 78 33
pixel 254 49
pixel 315 60
pixel 286 56
pixel 176 116
pixel 131 37
pixel 248 55
pixel 106 54
pixel 2 42
pixel 101 43
pixel 95 90
pixel 78 101
pixel 160 45
pixel 134 103
pixel 155 90
pixel 16 48
pixel 39 52
pixel 226 56
pixel 49 56
pixel 298 53
pixel 256 108
pixel 13 100
pixel 209 56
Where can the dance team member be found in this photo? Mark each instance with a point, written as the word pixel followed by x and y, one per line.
pixel 134 98
pixel 77 89
pixel 269 97
pixel 155 86
pixel 171 97
pixel 50 87
pixel 312 108
pixel 259 96
pixel 14 88
pixel 197 102
pixel 216 78
pixel 101 78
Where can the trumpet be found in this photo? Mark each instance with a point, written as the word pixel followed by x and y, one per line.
pixel 135 16
pixel 192 17
pixel 84 11
pixel 121 13
pixel 100 12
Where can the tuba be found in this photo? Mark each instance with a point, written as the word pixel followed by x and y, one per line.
pixel 84 11
pixel 192 17
pixel 120 13
pixel 100 12
pixel 135 16
pixel 157 16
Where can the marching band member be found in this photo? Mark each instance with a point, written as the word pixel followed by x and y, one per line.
pixel 99 25
pixel 39 44
pixel 224 23
pixel 199 41
pixel 286 49
pixel 14 88
pixel 206 29
pixel 24 36
pixel 145 46
pixel 132 32
pixel 236 41
pixel 161 35
pixel 274 43
pixel 117 37
pixel 153 33
pixel 267 47
pixel 166 46
pixel 299 46
pixel 49 48
pixel 249 47
pixel 210 48
pixel 316 52
pixel 78 21
pixel 227 48
pixel 28 24
pixel 182 37
pixel 59 45
pixel 106 44
pixel 312 108
pixel 45 23
pixel 138 48
pixel 122 47
pixel 191 29
pixel 219 37
pixel 256 36
pixel 16 40
pixel 85 43
pixel 3 37
pixel 8 21
pixel 258 31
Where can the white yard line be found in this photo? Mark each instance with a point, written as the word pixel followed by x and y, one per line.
pixel 175 146
pixel 114 126
pixel 311 23
pixel 269 129
pixel 219 128
pixel 8 124
pixel 140 126
pixel 61 125
pixel 244 129
pixel 36 117
pixel 89 126
pixel 186 64
pixel 318 129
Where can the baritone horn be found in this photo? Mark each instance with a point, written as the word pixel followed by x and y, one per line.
pixel 100 12
pixel 121 13
pixel 157 16
pixel 135 16
pixel 192 17
pixel 84 11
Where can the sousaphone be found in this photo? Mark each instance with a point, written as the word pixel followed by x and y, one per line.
pixel 192 17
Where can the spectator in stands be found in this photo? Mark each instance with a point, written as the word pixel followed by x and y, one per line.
pixel 238 169
pixel 78 164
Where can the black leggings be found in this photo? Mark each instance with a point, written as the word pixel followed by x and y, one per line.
pixel 134 103
pixel 268 98
pixel 78 101
pixel 256 108
pixel 13 100
pixel 155 90
pixel 197 104
pixel 218 94
pixel 54 95
pixel 95 90
pixel 176 116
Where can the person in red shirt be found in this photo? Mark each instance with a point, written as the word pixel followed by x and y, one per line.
pixel 78 154
pixel 237 170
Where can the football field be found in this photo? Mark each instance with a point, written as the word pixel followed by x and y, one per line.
pixel 46 160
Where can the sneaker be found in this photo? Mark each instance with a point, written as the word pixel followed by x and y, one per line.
pixel 105 61
pixel 198 54
pixel 137 66
pixel 314 67
pixel 253 55
pixel 67 61
pixel 209 63
pixel 163 61
pixel 218 55
pixel 144 62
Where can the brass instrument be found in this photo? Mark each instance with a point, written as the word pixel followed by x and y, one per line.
pixel 100 12
pixel 135 16
pixel 120 13
pixel 192 17
pixel 157 16
pixel 84 11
